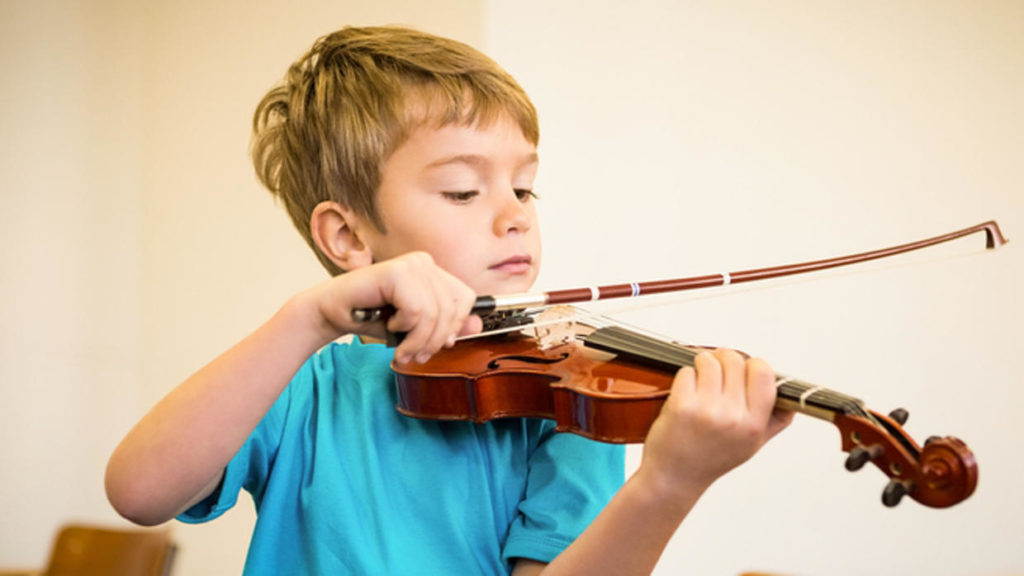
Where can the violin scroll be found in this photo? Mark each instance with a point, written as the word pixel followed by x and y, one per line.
pixel 939 475
pixel 949 473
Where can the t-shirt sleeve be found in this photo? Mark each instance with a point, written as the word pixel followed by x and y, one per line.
pixel 249 467
pixel 570 480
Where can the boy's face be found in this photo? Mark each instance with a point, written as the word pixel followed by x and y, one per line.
pixel 464 195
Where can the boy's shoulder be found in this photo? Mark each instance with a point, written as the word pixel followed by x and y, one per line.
pixel 347 358
pixel 332 372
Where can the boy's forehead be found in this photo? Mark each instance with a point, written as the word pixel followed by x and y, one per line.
pixel 469 143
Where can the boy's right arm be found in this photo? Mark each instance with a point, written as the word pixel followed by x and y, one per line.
pixel 175 456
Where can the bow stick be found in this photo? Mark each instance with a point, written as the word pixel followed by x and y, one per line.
pixel 488 304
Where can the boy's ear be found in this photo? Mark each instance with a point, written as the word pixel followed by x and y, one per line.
pixel 335 231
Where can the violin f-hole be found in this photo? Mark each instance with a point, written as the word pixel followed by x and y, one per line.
pixel 494 364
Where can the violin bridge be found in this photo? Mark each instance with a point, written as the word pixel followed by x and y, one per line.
pixel 555 326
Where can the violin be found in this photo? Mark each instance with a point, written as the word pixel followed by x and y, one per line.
pixel 608 382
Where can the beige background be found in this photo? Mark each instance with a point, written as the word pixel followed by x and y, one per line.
pixel 677 139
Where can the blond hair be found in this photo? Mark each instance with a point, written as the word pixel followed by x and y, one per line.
pixel 326 130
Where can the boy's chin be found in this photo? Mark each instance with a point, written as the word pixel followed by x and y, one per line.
pixel 505 286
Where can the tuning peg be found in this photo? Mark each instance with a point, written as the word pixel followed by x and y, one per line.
pixel 931 439
pixel 860 456
pixel 900 416
pixel 894 491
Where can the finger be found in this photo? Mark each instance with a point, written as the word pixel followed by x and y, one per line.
pixel 414 321
pixel 709 373
pixel 449 312
pixel 463 299
pixel 760 387
pixel 440 329
pixel 473 324
pixel 734 381
pixel 448 302
pixel 410 288
pixel 684 386
pixel 455 301
pixel 778 421
pixel 709 379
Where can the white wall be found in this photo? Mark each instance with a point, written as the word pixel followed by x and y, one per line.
pixel 71 163
pixel 676 140
pixel 685 138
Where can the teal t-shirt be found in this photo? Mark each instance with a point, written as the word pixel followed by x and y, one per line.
pixel 344 484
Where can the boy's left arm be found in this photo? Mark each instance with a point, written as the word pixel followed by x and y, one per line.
pixel 527 567
pixel 716 417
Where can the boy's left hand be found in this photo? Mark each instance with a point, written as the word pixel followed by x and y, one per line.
pixel 718 414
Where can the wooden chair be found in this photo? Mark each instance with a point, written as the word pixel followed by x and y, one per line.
pixel 94 551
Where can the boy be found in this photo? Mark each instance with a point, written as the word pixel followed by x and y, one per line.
pixel 407 163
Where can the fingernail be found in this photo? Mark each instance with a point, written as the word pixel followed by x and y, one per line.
pixel 422 357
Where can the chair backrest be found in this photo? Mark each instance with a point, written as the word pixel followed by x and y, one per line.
pixel 94 551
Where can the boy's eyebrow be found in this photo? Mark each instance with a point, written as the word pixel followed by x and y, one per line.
pixel 477 160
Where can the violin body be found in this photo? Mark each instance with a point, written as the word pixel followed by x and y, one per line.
pixel 511 377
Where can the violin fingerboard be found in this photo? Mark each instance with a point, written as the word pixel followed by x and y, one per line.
pixel 664 355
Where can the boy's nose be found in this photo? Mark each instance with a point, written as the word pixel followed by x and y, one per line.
pixel 512 215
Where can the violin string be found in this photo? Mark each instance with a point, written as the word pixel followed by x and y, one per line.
pixel 620 337
pixel 642 342
pixel 667 354
pixel 660 349
pixel 822 397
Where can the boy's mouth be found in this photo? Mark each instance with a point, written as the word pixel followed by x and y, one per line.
pixel 514 265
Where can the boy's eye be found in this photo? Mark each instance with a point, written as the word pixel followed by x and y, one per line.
pixel 524 194
pixel 460 197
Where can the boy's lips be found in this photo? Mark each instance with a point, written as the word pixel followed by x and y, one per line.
pixel 514 265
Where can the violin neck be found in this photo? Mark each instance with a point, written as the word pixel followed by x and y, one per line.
pixel 817 401
pixel 792 394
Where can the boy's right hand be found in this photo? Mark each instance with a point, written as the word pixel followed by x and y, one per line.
pixel 432 307
pixel 176 454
